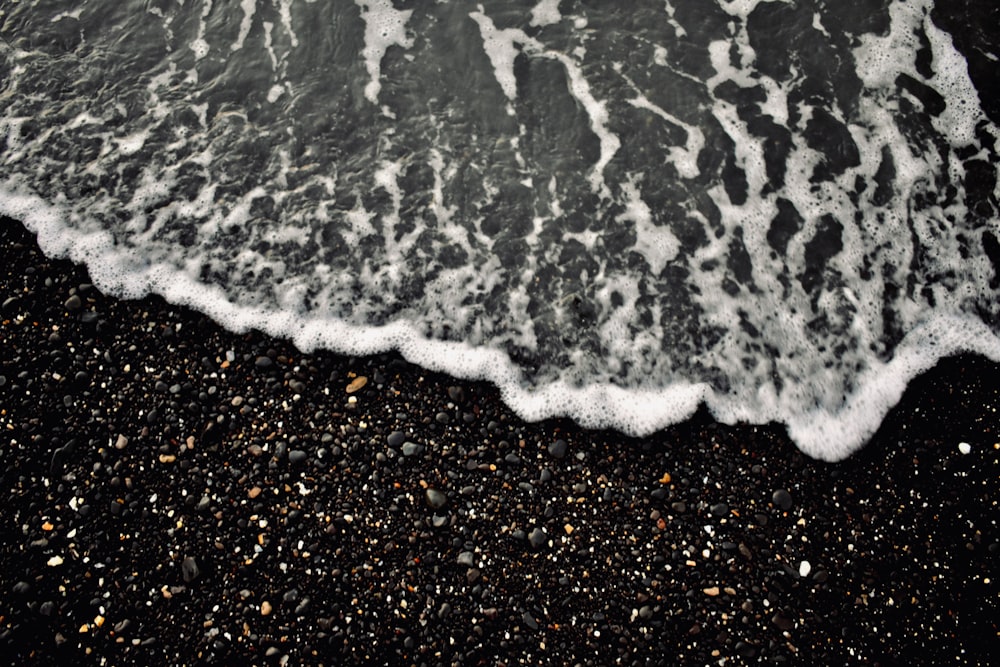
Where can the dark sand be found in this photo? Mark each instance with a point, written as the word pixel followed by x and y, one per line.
pixel 167 507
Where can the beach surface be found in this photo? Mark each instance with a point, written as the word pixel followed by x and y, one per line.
pixel 180 494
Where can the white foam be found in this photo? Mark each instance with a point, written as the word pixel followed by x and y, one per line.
pixel 499 47
pixel 546 12
pixel 685 159
pixel 385 26
pixel 597 112
pixel 199 45
pixel 657 244
pixel 249 8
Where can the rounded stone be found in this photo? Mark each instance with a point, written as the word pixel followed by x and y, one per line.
pixel 436 499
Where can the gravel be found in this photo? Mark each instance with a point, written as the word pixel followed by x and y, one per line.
pixel 184 526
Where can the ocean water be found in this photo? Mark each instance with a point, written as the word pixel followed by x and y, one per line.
pixel 613 211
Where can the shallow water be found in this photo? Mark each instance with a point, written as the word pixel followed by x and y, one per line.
pixel 783 211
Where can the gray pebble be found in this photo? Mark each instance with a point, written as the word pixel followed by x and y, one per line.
pixel 190 570
pixel 436 499
pixel 557 449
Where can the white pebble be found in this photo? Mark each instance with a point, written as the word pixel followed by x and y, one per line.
pixel 964 447
pixel 804 568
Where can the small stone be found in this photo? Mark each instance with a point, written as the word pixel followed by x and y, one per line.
pixel 396 438
pixel 121 442
pixel 456 394
pixel 712 591
pixel 190 570
pixel 720 509
pixel 436 499
pixel 782 622
pixel 804 568
pixel 55 561
pixel 529 620
pixel 263 362
pixel 265 608
pixel 254 492
pixel 537 537
pixel 411 448
pixel 297 456
pixel 73 303
pixel 466 558
pixel 357 384
pixel 964 447
pixel 557 449
pixel 782 499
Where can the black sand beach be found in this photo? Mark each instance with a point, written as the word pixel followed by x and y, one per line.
pixel 178 494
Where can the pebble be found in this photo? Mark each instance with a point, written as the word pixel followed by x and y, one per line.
pixel 782 499
pixel 297 456
pixel 189 569
pixel 537 537
pixel 265 608
pixel 396 438
pixel 357 384
pixel 557 449
pixel 804 568
pixel 73 303
pixel 436 499
pixel 411 448
pixel 466 558
pixel 964 447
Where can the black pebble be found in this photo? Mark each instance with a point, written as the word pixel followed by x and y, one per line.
pixel 557 449
pixel 190 570
pixel 782 499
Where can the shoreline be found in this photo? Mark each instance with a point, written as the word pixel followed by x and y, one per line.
pixel 182 494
